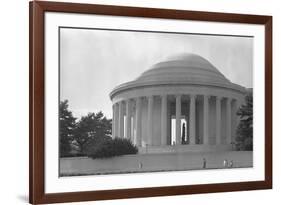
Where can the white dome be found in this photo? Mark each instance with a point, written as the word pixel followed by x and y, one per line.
pixel 183 69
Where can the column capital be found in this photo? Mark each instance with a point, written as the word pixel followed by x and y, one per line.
pixel 193 96
pixel 178 95
pixel 164 96
pixel 228 99
pixel 138 98
pixel 218 98
pixel 235 99
pixel 207 97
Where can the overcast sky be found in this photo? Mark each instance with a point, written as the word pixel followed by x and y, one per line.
pixel 93 62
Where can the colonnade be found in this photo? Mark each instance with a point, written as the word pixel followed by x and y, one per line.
pixel 124 130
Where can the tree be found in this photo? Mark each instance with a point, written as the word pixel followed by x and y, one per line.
pixel 244 138
pixel 66 128
pixel 92 126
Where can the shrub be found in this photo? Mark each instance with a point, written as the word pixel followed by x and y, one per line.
pixel 108 147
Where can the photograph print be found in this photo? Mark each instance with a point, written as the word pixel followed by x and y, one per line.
pixel 148 101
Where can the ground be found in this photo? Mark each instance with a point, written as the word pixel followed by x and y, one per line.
pixel 153 162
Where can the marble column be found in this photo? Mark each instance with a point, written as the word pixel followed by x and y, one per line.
pixel 218 120
pixel 128 120
pixel 169 120
pixel 121 121
pixel 228 120
pixel 116 119
pixel 149 119
pixel 178 119
pixel 192 116
pixel 138 121
pixel 206 120
pixel 164 120
pixel 113 121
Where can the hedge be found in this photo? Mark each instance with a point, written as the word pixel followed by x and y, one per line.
pixel 108 147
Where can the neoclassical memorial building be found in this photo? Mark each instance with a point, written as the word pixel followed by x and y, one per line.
pixel 183 102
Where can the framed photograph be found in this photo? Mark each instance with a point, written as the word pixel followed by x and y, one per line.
pixel 138 102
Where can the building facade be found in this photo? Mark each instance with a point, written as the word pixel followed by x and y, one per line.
pixel 182 102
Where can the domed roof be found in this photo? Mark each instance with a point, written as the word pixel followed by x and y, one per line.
pixel 182 69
